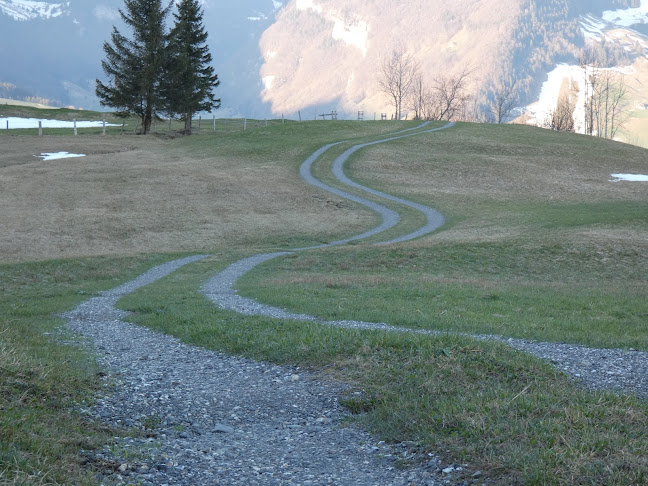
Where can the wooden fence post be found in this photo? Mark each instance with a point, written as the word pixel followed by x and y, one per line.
pixel 245 124
pixel 75 127
pixel 40 128
pixel 214 122
pixel 103 129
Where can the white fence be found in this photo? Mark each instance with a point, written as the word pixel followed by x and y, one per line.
pixel 160 126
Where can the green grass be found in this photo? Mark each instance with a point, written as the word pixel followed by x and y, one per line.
pixel 538 244
pixel 516 261
pixel 550 292
pixel 499 410
pixel 42 377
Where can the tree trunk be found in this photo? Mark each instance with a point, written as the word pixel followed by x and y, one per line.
pixel 187 128
pixel 148 120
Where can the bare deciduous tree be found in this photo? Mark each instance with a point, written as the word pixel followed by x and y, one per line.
pixel 397 75
pixel 605 94
pixel 502 100
pixel 450 96
pixel 421 99
pixel 562 118
pixel 609 103
pixel 589 62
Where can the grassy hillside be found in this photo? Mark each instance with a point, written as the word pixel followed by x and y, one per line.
pixel 538 244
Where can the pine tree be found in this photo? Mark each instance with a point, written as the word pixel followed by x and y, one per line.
pixel 189 78
pixel 135 66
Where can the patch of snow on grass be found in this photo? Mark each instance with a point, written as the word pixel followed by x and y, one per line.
pixel 16 123
pixel 629 177
pixel 58 155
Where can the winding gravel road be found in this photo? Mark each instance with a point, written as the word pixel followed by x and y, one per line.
pixel 226 420
pixel 603 369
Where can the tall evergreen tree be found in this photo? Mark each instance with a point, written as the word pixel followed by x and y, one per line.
pixel 189 79
pixel 135 66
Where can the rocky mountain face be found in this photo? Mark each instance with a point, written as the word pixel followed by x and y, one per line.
pixel 323 55
pixel 314 56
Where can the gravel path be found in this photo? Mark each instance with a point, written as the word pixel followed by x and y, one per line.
pixel 602 369
pixel 217 419
pixel 223 420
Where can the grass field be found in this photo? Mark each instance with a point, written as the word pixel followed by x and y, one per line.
pixel 538 244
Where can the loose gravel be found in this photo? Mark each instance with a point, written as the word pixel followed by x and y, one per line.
pixel 212 419
pixel 600 369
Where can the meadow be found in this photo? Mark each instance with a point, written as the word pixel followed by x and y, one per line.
pixel 538 244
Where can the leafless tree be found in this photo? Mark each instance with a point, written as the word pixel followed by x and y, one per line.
pixel 562 119
pixel 589 62
pixel 503 98
pixel 396 78
pixel 450 96
pixel 606 95
pixel 609 97
pixel 421 98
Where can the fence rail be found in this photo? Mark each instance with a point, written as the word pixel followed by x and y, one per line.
pixel 133 125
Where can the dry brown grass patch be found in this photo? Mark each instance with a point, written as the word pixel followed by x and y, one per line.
pixel 139 194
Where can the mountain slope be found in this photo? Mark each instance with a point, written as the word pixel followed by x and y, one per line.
pixel 329 51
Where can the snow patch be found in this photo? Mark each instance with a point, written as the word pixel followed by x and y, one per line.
pixel 23 10
pixel 541 111
pixel 593 27
pixel 58 155
pixel 14 123
pixel 103 12
pixel 308 5
pixel 353 33
pixel 629 177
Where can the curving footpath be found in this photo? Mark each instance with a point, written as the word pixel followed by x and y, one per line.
pixel 220 288
pixel 218 419
pixel 603 369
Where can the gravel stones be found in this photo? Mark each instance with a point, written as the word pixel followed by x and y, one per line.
pixel 598 369
pixel 216 419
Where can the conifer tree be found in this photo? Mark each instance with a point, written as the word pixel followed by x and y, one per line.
pixel 135 66
pixel 189 78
